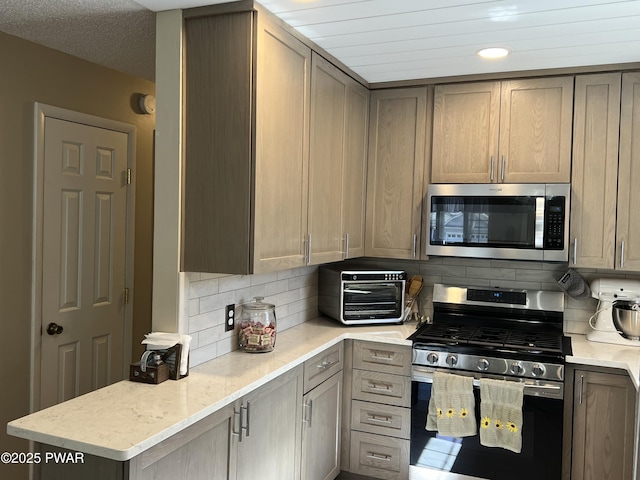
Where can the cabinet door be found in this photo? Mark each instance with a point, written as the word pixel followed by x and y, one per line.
pixel 465 132
pixel 282 151
pixel 206 450
pixel 603 426
pixel 321 431
pixel 354 173
pixel 628 233
pixel 270 447
pixel 594 179
pixel 535 130
pixel 327 136
pixel 395 165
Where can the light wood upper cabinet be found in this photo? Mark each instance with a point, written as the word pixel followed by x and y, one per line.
pixel 246 145
pixel 339 116
pixel 516 131
pixel 605 225
pixel 395 172
pixel 466 120
pixel 628 226
pixel 603 426
pixel 595 170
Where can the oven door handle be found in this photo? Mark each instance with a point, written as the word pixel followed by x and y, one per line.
pixel 353 290
pixel 555 390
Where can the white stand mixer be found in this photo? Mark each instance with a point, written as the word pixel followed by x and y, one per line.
pixel 607 291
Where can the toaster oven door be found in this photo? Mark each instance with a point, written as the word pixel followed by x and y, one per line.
pixel 364 302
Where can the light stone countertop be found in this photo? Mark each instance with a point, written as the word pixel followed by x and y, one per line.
pixel 125 419
pixel 606 355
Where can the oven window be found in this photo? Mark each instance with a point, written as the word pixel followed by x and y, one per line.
pixel 541 455
pixel 372 300
pixel 483 221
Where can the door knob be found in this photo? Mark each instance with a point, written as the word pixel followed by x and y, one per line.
pixel 54 329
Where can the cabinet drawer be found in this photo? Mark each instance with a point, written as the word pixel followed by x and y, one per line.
pixel 382 357
pixel 381 419
pixel 317 369
pixel 381 388
pixel 379 456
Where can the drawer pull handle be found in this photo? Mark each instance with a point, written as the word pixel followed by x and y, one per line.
pixel 325 365
pixel 386 356
pixel 379 456
pixel 380 386
pixel 379 418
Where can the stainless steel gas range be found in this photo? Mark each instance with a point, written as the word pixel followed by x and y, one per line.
pixel 505 334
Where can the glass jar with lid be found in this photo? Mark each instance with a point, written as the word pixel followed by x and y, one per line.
pixel 257 326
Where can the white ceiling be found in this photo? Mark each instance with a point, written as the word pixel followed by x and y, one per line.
pixel 381 40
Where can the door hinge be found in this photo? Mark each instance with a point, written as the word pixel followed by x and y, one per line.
pixel 125 296
pixel 128 175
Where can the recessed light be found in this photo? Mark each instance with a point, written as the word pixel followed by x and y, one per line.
pixel 493 52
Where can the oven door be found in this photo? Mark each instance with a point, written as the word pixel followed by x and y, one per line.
pixel 364 302
pixel 540 458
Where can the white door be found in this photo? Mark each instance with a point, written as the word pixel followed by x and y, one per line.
pixel 83 259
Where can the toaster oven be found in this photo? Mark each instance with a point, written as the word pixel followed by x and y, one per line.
pixel 359 296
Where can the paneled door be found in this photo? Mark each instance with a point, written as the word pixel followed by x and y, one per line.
pixel 83 259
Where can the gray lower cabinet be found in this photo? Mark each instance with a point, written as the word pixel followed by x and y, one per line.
pixel 321 430
pixel 379 410
pixel 602 432
pixel 258 436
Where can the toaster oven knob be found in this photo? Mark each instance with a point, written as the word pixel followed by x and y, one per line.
pixel 483 364
pixel 538 370
pixel 451 360
pixel 517 368
pixel 432 358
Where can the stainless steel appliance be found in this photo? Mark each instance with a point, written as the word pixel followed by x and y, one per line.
pixel 359 296
pixel 608 291
pixel 512 335
pixel 511 221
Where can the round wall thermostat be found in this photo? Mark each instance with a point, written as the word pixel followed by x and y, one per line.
pixel 148 104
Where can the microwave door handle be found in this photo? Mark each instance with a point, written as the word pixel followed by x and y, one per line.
pixel 539 233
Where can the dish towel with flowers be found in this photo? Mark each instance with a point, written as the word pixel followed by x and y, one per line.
pixel 452 406
pixel 501 414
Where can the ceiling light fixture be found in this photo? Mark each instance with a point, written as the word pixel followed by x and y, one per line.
pixel 493 52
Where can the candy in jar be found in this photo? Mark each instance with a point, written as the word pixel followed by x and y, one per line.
pixel 257 326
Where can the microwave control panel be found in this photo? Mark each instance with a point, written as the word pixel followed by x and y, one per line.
pixel 554 220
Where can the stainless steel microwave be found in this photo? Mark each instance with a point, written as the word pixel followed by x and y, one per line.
pixel 360 296
pixel 506 221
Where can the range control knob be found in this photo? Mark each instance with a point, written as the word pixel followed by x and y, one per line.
pixel 483 364
pixel 452 360
pixel 517 368
pixel 432 358
pixel 538 370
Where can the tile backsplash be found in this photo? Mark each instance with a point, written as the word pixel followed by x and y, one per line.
pixel 295 293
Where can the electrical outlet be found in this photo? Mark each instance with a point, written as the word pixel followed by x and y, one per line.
pixel 229 318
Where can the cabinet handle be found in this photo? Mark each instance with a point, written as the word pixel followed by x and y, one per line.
pixel 622 254
pixel 581 387
pixel 414 250
pixel 381 356
pixel 502 170
pixel 239 432
pixel 491 171
pixel 379 456
pixel 380 386
pixel 310 410
pixel 575 251
pixel 308 249
pixel 378 418
pixel 346 246
pixel 246 426
pixel 327 364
